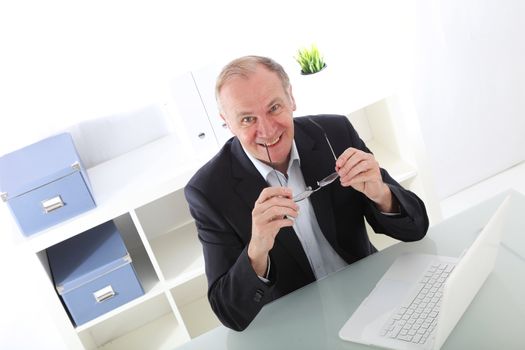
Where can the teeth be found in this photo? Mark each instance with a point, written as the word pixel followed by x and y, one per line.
pixel 273 142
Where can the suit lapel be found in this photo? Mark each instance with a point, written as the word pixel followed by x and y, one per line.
pixel 250 183
pixel 249 186
pixel 316 163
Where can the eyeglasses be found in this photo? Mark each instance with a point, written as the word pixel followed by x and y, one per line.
pixel 321 183
pixel 272 165
pixel 325 181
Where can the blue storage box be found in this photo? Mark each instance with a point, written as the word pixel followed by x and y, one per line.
pixel 45 183
pixel 93 273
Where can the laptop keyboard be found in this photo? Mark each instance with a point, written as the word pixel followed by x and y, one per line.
pixel 416 319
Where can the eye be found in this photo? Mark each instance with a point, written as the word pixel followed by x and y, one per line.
pixel 247 120
pixel 275 108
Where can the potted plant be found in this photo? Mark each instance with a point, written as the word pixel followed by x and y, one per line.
pixel 310 60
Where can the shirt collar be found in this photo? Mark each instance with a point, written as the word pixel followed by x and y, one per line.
pixel 265 169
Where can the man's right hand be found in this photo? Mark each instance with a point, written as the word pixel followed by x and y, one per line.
pixel 271 212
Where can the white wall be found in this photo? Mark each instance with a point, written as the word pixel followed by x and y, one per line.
pixel 470 88
pixel 65 62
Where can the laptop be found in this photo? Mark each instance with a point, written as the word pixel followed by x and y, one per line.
pixel 420 299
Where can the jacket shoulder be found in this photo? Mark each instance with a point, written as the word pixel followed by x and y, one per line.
pixel 217 167
pixel 323 119
pixel 332 124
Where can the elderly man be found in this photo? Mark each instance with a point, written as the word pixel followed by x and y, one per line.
pixel 262 235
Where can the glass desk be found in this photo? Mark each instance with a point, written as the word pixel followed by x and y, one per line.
pixel 310 318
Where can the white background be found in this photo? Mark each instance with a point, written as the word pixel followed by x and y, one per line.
pixel 67 62
pixel 470 88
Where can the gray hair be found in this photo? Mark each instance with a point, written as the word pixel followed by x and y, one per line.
pixel 246 65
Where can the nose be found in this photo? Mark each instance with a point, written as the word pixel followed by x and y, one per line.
pixel 266 128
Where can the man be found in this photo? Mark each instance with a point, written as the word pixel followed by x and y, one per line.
pixel 258 243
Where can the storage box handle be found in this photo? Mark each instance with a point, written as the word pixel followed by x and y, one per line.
pixel 104 294
pixel 52 204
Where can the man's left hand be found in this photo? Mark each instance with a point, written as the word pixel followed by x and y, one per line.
pixel 361 171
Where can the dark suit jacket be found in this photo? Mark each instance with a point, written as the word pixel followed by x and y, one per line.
pixel 222 194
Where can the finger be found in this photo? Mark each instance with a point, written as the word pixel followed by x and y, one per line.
pixel 362 167
pixel 366 177
pixel 357 157
pixel 271 228
pixel 278 201
pixel 343 158
pixel 353 182
pixel 270 192
pixel 277 224
pixel 275 213
pixel 274 208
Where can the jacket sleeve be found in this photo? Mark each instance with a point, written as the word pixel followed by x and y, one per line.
pixel 412 222
pixel 235 292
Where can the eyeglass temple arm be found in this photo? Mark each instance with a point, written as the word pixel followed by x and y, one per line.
pixel 272 165
pixel 325 136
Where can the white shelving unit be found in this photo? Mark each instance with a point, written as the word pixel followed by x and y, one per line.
pixel 194 307
pixel 142 191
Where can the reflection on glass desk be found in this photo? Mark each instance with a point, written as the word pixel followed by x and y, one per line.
pixel 310 318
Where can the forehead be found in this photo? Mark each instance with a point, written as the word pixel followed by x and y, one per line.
pixel 254 89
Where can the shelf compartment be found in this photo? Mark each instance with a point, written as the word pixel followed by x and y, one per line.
pixel 139 256
pixel 375 127
pixel 148 279
pixel 145 273
pixel 179 254
pixel 192 302
pixel 400 170
pixel 141 263
pixel 164 214
pixel 150 325
pixel 172 235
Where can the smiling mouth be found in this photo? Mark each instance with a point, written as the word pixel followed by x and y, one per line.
pixel 271 143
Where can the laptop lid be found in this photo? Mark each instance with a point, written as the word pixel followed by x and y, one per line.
pixel 470 274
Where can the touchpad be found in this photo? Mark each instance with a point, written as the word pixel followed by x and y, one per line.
pixel 387 295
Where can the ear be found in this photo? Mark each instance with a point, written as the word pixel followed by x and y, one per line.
pixel 225 121
pixel 292 99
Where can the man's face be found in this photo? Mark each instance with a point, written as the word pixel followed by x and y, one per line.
pixel 259 111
